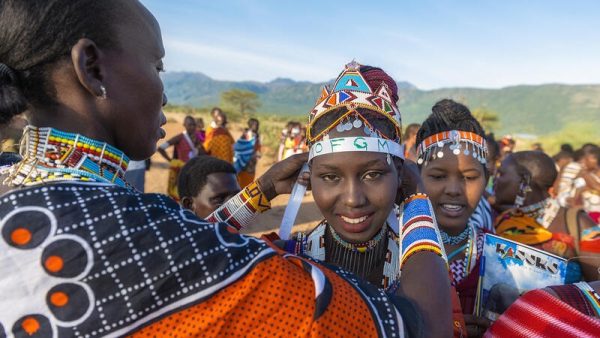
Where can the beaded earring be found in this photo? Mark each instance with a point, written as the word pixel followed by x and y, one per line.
pixel 524 189
pixel 103 90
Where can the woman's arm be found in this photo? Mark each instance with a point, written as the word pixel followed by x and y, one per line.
pixel 424 270
pixel 425 282
pixel 162 149
pixel 241 210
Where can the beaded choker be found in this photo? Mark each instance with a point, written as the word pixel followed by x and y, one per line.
pixel 53 155
pixel 453 240
pixel 359 247
pixel 544 211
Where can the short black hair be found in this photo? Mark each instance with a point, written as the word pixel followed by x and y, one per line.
pixel 562 154
pixel 595 152
pixel 584 150
pixel 539 166
pixel 192 177
pixel 492 145
pixel 35 35
pixel 567 147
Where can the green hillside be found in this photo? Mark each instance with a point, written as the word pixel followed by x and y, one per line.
pixel 539 110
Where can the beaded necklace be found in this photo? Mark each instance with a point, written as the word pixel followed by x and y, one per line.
pixel 52 155
pixel 453 240
pixel 364 259
pixel 470 250
pixel 544 212
pixel 359 247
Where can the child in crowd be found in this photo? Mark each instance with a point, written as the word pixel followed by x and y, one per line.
pixel 205 183
pixel 246 153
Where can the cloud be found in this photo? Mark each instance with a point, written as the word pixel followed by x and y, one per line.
pixel 521 275
pixel 238 63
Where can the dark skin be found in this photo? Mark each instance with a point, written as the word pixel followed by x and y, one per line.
pixel 353 186
pixel 190 127
pixel 135 98
pixel 131 77
pixel 347 187
pixel 507 187
pixel 455 184
pixel 135 95
pixel 219 117
pixel 219 188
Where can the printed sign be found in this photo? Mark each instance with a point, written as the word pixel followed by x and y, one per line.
pixel 515 266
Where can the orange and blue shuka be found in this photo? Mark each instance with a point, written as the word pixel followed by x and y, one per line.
pixel 95 260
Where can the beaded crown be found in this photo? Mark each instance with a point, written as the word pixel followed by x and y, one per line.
pixel 351 91
pixel 460 141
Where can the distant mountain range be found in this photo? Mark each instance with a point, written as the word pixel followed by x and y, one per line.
pixel 534 109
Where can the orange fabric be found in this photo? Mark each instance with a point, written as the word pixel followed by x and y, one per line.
pixel 219 143
pixel 245 178
pixel 592 245
pixel 174 169
pixel 263 304
pixel 54 263
pixel 20 236
pixel 521 228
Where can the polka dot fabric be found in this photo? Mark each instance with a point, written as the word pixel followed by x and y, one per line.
pixel 93 260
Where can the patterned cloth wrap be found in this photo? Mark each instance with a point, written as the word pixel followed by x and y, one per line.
pixel 95 260
pixel 244 150
pixel 219 143
pixel 539 314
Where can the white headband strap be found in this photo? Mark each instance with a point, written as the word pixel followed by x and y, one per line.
pixel 356 144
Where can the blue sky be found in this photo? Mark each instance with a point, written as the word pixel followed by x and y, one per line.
pixel 432 44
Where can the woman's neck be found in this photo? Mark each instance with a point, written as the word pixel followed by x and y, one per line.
pixel 453 231
pixel 68 120
pixel 535 196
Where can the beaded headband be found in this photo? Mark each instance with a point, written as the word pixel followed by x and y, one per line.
pixel 356 143
pixel 432 147
pixel 351 91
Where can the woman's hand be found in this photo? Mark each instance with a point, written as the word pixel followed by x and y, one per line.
pixel 411 182
pixel 476 326
pixel 280 178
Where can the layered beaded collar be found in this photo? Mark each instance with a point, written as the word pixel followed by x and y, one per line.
pixel 52 155
pixel 359 247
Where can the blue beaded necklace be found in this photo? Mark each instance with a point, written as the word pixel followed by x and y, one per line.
pixel 53 155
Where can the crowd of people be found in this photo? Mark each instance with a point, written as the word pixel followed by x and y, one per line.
pixel 405 212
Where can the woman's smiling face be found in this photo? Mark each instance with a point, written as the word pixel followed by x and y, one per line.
pixel 355 192
pixel 454 184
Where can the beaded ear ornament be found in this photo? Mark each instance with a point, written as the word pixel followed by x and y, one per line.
pixel 464 142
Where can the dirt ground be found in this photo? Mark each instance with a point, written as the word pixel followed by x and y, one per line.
pixel 308 217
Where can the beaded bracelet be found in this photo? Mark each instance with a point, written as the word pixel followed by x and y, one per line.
pixel 241 209
pixel 419 231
